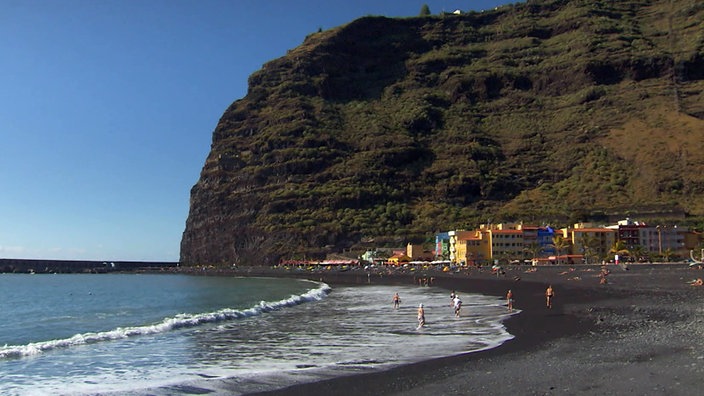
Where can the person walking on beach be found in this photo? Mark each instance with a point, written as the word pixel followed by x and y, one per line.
pixel 396 300
pixel 549 294
pixel 509 300
pixel 421 316
pixel 458 305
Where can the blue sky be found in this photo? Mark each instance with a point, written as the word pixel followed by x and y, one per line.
pixel 107 109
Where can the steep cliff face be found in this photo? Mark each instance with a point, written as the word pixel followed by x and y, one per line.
pixel 391 129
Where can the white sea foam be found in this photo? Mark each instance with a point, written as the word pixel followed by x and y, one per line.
pixel 354 329
pixel 168 324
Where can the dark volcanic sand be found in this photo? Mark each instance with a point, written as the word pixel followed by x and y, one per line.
pixel 641 334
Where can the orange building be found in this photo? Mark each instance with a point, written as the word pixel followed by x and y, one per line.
pixel 398 258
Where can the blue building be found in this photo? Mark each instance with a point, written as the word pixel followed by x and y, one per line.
pixel 545 237
pixel 442 246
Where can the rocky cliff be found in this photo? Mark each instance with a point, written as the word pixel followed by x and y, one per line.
pixel 388 130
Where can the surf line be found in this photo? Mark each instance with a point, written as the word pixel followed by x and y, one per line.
pixel 168 324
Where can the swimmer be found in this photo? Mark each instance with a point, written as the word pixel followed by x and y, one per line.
pixel 396 300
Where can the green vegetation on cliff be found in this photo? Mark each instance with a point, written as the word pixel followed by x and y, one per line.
pixel 392 129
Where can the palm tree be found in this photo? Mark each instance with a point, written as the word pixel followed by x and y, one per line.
pixel 619 247
pixel 559 243
pixel 534 249
pixel 638 252
pixel 590 245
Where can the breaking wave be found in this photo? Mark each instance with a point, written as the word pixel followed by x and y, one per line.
pixel 168 324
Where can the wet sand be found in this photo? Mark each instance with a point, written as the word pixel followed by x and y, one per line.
pixel 640 334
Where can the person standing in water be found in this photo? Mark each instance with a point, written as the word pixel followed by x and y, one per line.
pixel 457 305
pixel 549 294
pixel 396 300
pixel 421 316
pixel 509 300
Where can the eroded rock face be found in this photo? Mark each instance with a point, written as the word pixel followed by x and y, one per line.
pixel 392 129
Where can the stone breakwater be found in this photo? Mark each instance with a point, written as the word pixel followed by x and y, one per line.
pixel 79 266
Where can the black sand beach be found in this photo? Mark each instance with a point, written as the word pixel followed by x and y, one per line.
pixel 641 334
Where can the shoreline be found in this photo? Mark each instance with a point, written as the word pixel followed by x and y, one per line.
pixel 638 334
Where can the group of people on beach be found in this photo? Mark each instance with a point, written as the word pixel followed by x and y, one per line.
pixel 549 294
pixel 396 301
pixel 456 303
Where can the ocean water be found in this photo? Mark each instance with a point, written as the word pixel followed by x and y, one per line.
pixel 136 334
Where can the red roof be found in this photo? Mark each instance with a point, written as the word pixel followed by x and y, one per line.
pixel 507 231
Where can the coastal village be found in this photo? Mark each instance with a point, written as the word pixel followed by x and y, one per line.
pixel 583 243
pixel 523 244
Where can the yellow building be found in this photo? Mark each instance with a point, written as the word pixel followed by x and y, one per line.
pixel 593 243
pixel 506 244
pixel 477 248
pixel 398 258
pixel 458 257
pixel 469 247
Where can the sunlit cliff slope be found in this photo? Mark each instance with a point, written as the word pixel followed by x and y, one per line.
pixel 392 129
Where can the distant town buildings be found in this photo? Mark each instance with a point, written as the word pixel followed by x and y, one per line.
pixel 518 243
pixel 582 243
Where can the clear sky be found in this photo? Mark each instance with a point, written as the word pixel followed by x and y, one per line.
pixel 107 109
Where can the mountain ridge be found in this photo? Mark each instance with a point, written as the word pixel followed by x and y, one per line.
pixel 396 128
